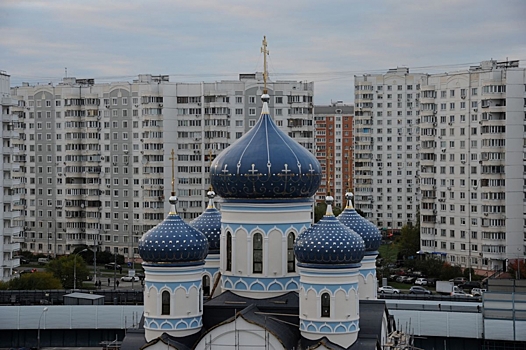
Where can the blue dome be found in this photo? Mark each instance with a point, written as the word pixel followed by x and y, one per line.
pixel 173 241
pixel 329 242
pixel 209 223
pixel 265 163
pixel 369 232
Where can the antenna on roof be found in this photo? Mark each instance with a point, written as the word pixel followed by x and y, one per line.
pixel 265 72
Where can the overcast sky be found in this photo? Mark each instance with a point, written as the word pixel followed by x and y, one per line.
pixel 327 42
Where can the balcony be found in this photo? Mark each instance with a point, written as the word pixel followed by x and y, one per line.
pixel 9 101
pixel 12 214
pixel 11 151
pixel 11 182
pixel 11 247
pixel 9 118
pixel 12 231
pixel 11 166
pixel 11 264
pixel 11 198
pixel 9 134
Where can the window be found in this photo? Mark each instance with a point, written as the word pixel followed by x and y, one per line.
pixel 165 307
pixel 325 305
pixel 291 264
pixel 206 285
pixel 257 253
pixel 228 251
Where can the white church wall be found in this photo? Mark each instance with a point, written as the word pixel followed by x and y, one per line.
pixel 274 253
pixel 239 333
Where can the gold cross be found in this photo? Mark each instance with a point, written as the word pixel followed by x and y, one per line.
pixel 265 53
pixel 172 158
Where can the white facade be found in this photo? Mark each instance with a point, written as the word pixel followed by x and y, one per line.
pixel 9 183
pixel 458 159
pixel 173 300
pixel 96 165
pixel 329 304
pixel 278 226
pixel 386 165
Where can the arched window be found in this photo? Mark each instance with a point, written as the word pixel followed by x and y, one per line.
pixel 325 305
pixel 165 307
pixel 228 251
pixel 257 253
pixel 291 263
pixel 206 285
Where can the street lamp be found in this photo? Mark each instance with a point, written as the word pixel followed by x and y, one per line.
pixel 40 319
pixel 75 268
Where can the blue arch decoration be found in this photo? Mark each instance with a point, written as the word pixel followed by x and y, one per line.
pixel 260 283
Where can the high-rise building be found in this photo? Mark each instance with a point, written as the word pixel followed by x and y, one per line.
pixel 96 156
pixel 458 159
pixel 334 141
pixel 9 183
pixel 386 116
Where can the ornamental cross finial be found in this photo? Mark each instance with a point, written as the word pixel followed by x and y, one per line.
pixel 172 158
pixel 329 158
pixel 265 53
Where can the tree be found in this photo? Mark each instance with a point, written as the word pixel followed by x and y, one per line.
pixel 321 208
pixel 409 240
pixel 64 269
pixel 35 281
pixel 517 269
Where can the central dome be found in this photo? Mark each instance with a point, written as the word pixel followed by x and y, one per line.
pixel 265 163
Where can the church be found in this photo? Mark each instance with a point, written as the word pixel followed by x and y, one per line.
pixel 258 273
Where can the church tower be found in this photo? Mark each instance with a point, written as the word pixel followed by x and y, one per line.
pixel 209 223
pixel 372 238
pixel 329 256
pixel 174 254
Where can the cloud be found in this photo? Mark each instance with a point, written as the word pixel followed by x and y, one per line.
pixel 326 42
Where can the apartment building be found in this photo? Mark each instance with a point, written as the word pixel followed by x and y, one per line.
pixel 334 141
pixel 386 137
pixel 461 143
pixel 9 183
pixel 96 157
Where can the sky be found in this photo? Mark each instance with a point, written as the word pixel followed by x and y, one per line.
pixel 327 42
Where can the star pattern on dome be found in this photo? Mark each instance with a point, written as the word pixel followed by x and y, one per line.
pixel 173 241
pixel 329 242
pixel 366 229
pixel 209 223
pixel 265 163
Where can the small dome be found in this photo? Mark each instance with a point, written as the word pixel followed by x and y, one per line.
pixel 209 223
pixel 366 229
pixel 173 241
pixel 265 163
pixel 329 242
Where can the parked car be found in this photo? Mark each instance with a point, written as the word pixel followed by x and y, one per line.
pixel 461 293
pixel 469 285
pixel 43 261
pixel 388 290
pixel 421 281
pixel 130 278
pixel 410 280
pixel 111 266
pixel 23 260
pixel 401 279
pixel 419 290
pixel 432 282
pixel 458 280
pixel 477 292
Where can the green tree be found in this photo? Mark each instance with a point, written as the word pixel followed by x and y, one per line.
pixel 409 240
pixel 64 269
pixel 321 208
pixel 35 281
